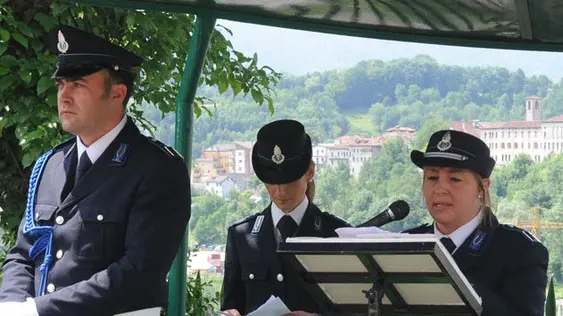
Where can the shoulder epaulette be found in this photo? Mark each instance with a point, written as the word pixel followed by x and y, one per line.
pixel 244 220
pixel 529 236
pixel 168 150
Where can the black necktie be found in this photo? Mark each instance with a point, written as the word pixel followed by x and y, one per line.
pixel 287 226
pixel 83 165
pixel 448 243
pixel 70 164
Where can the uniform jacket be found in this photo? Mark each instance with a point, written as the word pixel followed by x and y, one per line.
pixel 507 267
pixel 115 234
pixel 253 269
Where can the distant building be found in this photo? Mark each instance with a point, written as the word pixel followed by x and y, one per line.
pixel 233 160
pixel 206 169
pixel 354 151
pixel 406 133
pixel 234 157
pixel 471 127
pixel 221 186
pixel 535 137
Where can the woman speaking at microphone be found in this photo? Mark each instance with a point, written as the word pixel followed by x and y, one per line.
pixel 506 265
pixel 282 160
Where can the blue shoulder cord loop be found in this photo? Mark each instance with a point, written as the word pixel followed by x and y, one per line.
pixel 44 234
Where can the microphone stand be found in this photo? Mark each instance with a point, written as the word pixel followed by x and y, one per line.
pixel 375 298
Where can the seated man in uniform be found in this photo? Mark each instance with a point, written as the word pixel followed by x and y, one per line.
pixel 107 209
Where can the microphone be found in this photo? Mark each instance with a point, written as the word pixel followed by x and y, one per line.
pixel 395 212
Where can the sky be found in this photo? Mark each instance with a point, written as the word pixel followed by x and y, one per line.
pixel 301 52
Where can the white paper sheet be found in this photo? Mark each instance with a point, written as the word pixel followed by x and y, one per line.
pixel 357 231
pixel 274 306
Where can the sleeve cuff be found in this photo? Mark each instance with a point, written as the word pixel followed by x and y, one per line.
pixel 31 307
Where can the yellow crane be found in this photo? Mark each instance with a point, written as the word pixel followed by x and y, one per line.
pixel 536 225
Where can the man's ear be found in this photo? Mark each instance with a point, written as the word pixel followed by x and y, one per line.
pixel 118 93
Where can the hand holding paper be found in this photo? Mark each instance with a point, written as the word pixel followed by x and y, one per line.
pixel 274 306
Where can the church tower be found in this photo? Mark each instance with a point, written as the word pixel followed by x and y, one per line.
pixel 533 108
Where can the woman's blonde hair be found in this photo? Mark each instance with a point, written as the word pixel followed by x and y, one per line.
pixel 486 203
pixel 310 192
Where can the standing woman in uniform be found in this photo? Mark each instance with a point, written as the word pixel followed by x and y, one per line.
pixel 506 265
pixel 282 160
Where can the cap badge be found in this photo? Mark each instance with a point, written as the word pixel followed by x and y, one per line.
pixel 62 45
pixel 278 157
pixel 445 143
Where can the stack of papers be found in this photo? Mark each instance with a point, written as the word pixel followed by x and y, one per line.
pixel 363 231
pixel 274 306
pixel 376 233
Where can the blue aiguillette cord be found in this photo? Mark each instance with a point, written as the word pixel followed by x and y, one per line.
pixel 44 234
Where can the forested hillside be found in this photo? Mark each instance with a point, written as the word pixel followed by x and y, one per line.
pixel 404 92
pixel 367 99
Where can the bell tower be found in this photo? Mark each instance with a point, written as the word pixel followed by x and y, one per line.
pixel 533 108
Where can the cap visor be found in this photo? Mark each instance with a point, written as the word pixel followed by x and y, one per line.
pixel 75 72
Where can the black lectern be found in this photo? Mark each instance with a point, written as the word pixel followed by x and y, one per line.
pixel 381 275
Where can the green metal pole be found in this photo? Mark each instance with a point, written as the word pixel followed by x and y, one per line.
pixel 204 26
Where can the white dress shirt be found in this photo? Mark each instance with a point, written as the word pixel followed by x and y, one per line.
pixel 459 235
pixel 297 214
pixel 97 148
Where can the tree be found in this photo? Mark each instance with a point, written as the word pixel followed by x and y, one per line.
pixel 28 115
pixel 423 135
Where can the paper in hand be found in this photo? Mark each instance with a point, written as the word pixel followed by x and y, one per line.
pixel 274 306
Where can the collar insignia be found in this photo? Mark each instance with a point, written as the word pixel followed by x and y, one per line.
pixel 257 225
pixel 120 155
pixel 318 223
pixel 478 240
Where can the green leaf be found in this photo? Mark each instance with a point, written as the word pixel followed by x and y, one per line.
pixel 26 76
pixel 51 99
pixel 20 39
pixel 43 85
pixel 8 61
pixel 197 110
pixel 24 29
pixel 257 96
pixel 27 159
pixel 6 81
pixel 37 46
pixel 235 84
pixel 4 35
pixel 254 60
pixel 35 134
pixel 130 20
pixel 223 86
pixel 270 105
pixel 47 22
pixel 3 122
